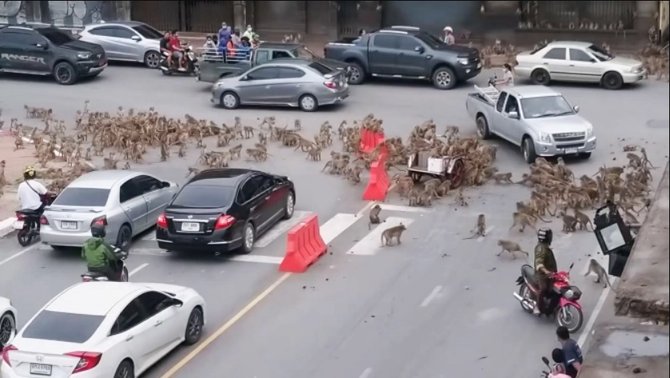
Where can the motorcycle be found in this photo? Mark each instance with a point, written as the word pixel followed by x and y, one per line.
pixel 553 371
pixel 28 221
pixel 121 268
pixel 562 303
pixel 189 58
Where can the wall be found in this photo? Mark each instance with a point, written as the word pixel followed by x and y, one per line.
pixel 61 13
pixel 432 16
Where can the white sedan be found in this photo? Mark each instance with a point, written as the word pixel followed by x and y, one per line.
pixel 579 62
pixel 7 321
pixel 105 329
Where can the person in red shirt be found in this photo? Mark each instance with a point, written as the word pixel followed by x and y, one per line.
pixel 177 51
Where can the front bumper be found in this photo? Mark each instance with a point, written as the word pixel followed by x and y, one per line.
pixel 89 67
pixel 630 78
pixel 558 149
pixel 465 72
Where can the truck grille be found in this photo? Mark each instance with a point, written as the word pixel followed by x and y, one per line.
pixel 568 137
pixel 570 145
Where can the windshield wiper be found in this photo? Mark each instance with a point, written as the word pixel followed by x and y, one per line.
pixel 554 114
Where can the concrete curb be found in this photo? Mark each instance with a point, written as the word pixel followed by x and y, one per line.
pixel 7 226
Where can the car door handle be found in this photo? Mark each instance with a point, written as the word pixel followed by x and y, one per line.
pixel 267 198
pixel 158 322
pixel 130 338
pixel 572 65
pixel 545 63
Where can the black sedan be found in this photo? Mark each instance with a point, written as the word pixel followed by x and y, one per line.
pixel 221 210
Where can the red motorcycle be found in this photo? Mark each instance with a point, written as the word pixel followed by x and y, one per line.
pixel 562 303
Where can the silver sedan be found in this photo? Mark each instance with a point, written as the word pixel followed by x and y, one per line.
pixel 289 82
pixel 129 41
pixel 127 202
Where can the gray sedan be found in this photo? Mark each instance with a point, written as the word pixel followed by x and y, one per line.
pixel 289 82
pixel 126 202
pixel 129 41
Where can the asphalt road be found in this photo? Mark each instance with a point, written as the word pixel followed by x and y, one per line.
pixel 436 306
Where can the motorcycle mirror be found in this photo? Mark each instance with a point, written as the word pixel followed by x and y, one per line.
pixel 545 360
pixel 571 265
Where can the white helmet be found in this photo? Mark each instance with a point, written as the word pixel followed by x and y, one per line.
pixel 448 29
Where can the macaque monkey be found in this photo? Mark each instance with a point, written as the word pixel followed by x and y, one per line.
pixel 392 232
pixel 569 223
pixel 522 220
pixel 374 215
pixel 510 247
pixel 480 227
pixel 583 220
pixel 505 178
pixel 596 268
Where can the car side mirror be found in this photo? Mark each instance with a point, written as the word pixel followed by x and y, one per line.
pixel 244 78
pixel 545 360
pixel 176 302
pixel 42 46
pixel 165 184
pixel 419 49
pixel 513 115
pixel 136 38
pixel 576 108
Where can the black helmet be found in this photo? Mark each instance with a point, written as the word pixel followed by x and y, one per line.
pixel 545 235
pixel 98 230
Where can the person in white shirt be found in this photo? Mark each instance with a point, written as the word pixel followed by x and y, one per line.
pixel 449 37
pixel 30 191
pixel 508 76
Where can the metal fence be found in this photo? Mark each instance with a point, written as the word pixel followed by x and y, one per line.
pixel 578 15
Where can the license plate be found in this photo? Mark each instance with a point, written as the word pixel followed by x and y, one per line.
pixel 570 150
pixel 40 369
pixel 190 227
pixel 479 65
pixel 18 225
pixel 68 225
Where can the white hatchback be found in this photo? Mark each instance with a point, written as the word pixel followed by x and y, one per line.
pixel 105 329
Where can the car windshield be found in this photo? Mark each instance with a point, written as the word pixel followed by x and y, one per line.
pixel 204 197
pixel 148 32
pixel 63 326
pixel 547 106
pixel 599 53
pixel 429 39
pixel 85 197
pixel 303 53
pixel 55 36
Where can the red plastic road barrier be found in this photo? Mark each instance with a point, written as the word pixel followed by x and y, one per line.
pixel 304 246
pixel 370 140
pixel 379 181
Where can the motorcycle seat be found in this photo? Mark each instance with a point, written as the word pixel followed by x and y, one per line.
pixel 29 212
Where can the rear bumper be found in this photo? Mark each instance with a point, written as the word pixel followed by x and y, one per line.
pixel 50 236
pixel 333 98
pixel 550 149
pixel 219 241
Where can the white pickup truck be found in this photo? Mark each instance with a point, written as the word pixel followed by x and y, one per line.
pixel 537 119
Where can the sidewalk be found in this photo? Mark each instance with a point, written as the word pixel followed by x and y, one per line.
pixel 16 162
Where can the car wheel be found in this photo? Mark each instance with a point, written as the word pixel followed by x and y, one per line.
pixel 193 331
pixel 124 274
pixel 7 328
pixel 308 103
pixel 444 78
pixel 528 149
pixel 585 155
pixel 248 238
pixel 152 59
pixel 483 128
pixel 230 100
pixel 612 80
pixel 124 237
pixel 540 76
pixel 64 73
pixel 125 370
pixel 356 74
pixel 289 206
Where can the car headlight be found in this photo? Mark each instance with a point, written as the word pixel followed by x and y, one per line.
pixel 463 61
pixel 545 137
pixel 589 132
pixel 84 55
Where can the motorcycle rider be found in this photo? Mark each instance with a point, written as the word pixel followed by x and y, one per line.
pixel 165 48
pixel 30 191
pixel 100 257
pixel 545 266
pixel 177 50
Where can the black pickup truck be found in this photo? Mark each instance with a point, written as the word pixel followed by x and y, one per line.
pixel 46 50
pixel 213 65
pixel 406 52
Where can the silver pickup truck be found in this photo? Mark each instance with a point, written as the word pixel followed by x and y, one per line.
pixel 537 119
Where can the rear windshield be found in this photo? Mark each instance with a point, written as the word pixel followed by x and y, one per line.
pixel 323 70
pixel 63 326
pixel 204 196
pixel 82 197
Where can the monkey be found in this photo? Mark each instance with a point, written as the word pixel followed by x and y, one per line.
pixel 126 166
pixel 503 178
pixel 426 198
pixel 392 232
pixel 583 220
pixel 595 267
pixel 297 126
pixel 262 138
pixel 634 161
pixel 3 179
pixel 182 151
pixel 257 154
pixel 192 171
pixel 444 188
pixel 480 227
pixel 248 132
pixel 314 153
pixel 414 197
pixel 354 174
pixel 522 220
pixel 235 152
pixel 569 223
pixel 18 142
pixel 165 151
pixel 645 160
pixel 511 247
pixel 374 215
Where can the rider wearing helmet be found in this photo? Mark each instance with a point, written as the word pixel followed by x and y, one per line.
pixel 449 38
pixel 30 191
pixel 545 265
pixel 100 257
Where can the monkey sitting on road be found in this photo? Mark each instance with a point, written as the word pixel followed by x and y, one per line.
pixel 392 232
pixel 480 227
pixel 596 268
pixel 510 247
pixel 374 216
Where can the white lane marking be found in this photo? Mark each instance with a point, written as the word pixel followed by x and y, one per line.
pixel 488 231
pixel 371 243
pixel 405 209
pixel 258 259
pixel 336 225
pixel 12 257
pixel 136 270
pixel 594 315
pixel 366 373
pixel 281 228
pixel 433 294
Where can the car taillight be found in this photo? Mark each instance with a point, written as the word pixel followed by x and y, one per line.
pixel 20 216
pixel 161 222
pixel 5 353
pixel 87 360
pixel 224 221
pixel 330 84
pixel 101 221
pixel 43 220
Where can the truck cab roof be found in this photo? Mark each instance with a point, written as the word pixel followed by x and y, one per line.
pixel 530 91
